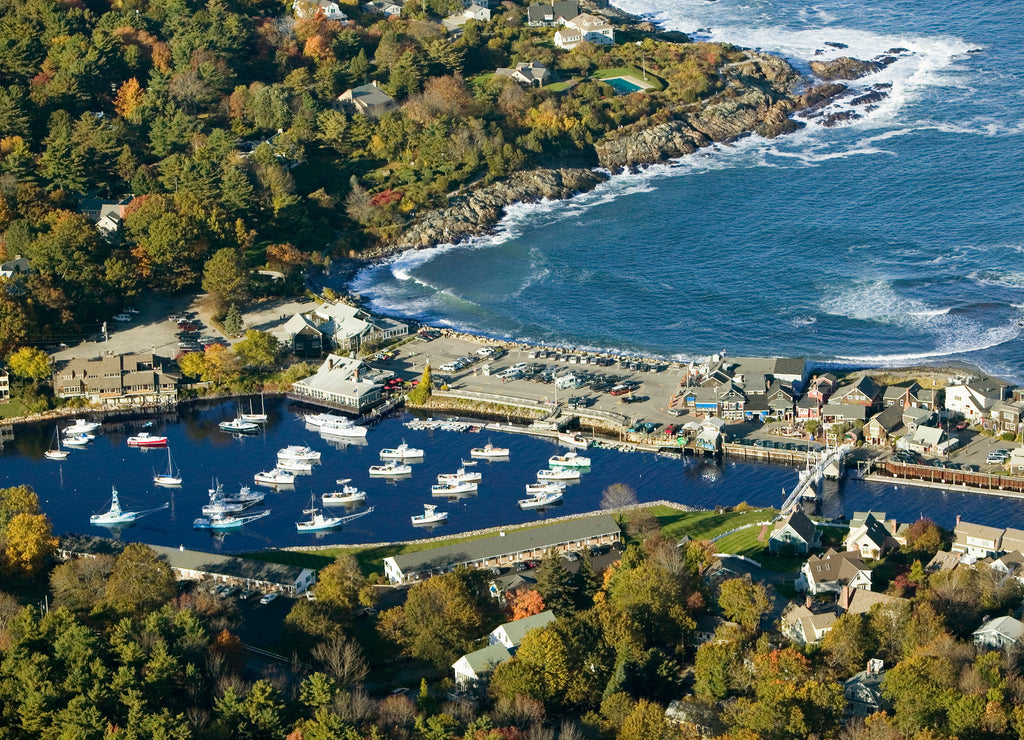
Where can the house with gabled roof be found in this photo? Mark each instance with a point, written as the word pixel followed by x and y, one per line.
pixel 584 27
pixel 863 691
pixel 871 535
pixel 326 9
pixel 942 561
pixel 927 441
pixel 974 398
pixel 511 634
pixel 841 412
pixel 862 600
pixel 862 392
pixel 118 380
pixel 340 382
pixel 475 668
pixel 1007 416
pixel 916 416
pixel 1012 539
pixel 1001 633
pixel 13 267
pixel 830 572
pixel 552 14
pixel 796 532
pixel 1010 565
pixel 803 626
pixel 883 427
pixel 808 408
pixel 977 540
pixel 531 74
pixel 822 387
pixel 781 400
pixel 367 99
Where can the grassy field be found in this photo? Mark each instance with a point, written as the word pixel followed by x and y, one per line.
pixel 12 408
pixel 603 74
pixel 703 525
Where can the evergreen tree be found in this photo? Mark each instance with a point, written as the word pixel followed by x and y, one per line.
pixel 585 583
pixel 555 584
pixel 233 321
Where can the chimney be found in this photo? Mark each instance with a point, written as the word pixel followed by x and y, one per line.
pixel 844 598
pixel 958 520
pixel 893 527
pixel 808 601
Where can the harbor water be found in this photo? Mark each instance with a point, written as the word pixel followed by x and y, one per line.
pixel 72 490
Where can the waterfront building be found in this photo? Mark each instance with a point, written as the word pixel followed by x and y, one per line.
pixel 1001 633
pixel 584 27
pixel 977 540
pixel 474 669
pixel 871 535
pixel 796 532
pixel 863 392
pixel 883 427
pixel 831 572
pixel 504 548
pixel 341 382
pixel 117 380
pixel 822 387
pixel 511 634
pixel 975 398
pixel 1007 416
pixel 927 441
pixel 337 326
pixel 5 385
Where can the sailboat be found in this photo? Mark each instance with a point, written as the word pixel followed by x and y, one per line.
pixel 318 521
pixel 173 475
pixel 116 515
pixel 259 418
pixel 56 453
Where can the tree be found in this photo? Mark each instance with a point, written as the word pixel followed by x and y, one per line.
pixel 139 582
pixel 618 495
pixel 79 584
pixel 225 277
pixel 192 364
pixel 647 721
pixel 526 603
pixel 585 582
pixel 343 659
pixel 338 584
pixel 744 602
pixel 259 349
pixel 554 584
pixel 924 536
pixel 129 97
pixel 848 644
pixel 16 500
pixel 221 365
pixel 29 543
pixel 30 363
pixel 233 321
pixel 421 393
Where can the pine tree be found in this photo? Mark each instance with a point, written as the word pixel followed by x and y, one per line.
pixel 233 321
pixel 585 583
pixel 554 583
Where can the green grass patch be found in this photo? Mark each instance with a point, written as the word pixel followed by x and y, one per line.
pixel 703 525
pixel 559 86
pixel 655 82
pixel 13 408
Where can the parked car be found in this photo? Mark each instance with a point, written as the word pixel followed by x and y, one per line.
pixel 267 598
pixel 122 317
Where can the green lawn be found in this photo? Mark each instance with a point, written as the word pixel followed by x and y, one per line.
pixel 655 82
pixel 703 525
pixel 13 408
pixel 559 86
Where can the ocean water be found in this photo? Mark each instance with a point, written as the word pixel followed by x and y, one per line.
pixel 896 238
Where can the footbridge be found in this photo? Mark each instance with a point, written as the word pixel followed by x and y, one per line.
pixel 810 477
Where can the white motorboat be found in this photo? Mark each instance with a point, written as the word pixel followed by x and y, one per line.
pixel 402 452
pixel 390 469
pixel 539 489
pixel 558 474
pixel 318 522
pixel 460 476
pixel 78 440
pixel 239 425
pixel 489 452
pixel 253 416
pixel 346 496
pixel 173 475
pixel 219 504
pixel 573 440
pixel 298 452
pixel 430 515
pixel 569 460
pixel 116 515
pixel 56 453
pixel 333 425
pixel 227 521
pixel 317 420
pixel 81 426
pixel 274 477
pixel 245 495
pixel 294 466
pixel 541 500
pixel 145 439
pixel 452 489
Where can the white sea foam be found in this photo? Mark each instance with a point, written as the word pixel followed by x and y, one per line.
pixel 968 343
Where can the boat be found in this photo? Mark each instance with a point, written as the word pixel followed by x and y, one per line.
pixel 489 452
pixel 227 521
pixel 239 425
pixel 56 453
pixel 347 495
pixel 558 474
pixel 430 515
pixel 460 476
pixel 541 500
pixel 318 420
pixel 538 489
pixel 569 460
pixel 318 522
pixel 390 469
pixel 145 439
pixel 116 515
pixel 294 466
pixel 172 477
pixel 342 427
pixel 573 440
pixel 79 440
pixel 402 452
pixel 252 416
pixel 452 489
pixel 274 477
pixel 81 426
pixel 298 452
pixel 245 495
pixel 219 504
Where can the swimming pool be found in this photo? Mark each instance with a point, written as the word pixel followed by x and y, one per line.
pixel 622 85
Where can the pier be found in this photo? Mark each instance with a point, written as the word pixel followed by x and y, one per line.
pixel 831 460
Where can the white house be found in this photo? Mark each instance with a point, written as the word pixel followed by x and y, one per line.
pixel 1010 565
pixel 977 540
pixel 475 668
pixel 927 441
pixel 584 27
pixel 327 9
pixel 1000 633
pixel 338 326
pixel 803 626
pixel 338 382
pixel 973 400
pixel 832 571
pixel 871 535
pixel 384 7
pixel 511 634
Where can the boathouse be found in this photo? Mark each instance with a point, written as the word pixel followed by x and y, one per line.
pixel 503 549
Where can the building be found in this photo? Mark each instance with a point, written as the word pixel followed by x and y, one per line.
pixel 340 382
pixel 472 12
pixel 384 7
pixel 14 267
pixel 871 535
pixel 503 549
pixel 863 392
pixel 977 540
pixel 863 692
pixel 1007 416
pixel 337 326
pixel 883 426
pixel 796 532
pixel 973 399
pixel 195 565
pixel 118 380
pixel 474 669
pixel 1010 565
pixel 326 9
pixel 511 634
pixel 5 385
pixel 943 561
pixel 552 14
pixel 584 27
pixel 862 601
pixel 367 99
pixel 108 215
pixel 1001 633
pixel 531 74
pixel 833 571
pixel 803 626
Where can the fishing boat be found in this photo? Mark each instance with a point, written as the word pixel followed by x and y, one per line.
pixel 318 522
pixel 274 477
pixel 390 469
pixel 238 425
pixel 537 489
pixel 346 496
pixel 460 476
pixel 430 515
pixel 569 460
pixel 81 426
pixel 252 416
pixel 294 466
pixel 558 474
pixel 541 500
pixel 222 522
pixel 78 440
pixel 56 453
pixel 245 495
pixel 573 440
pixel 220 505
pixel 342 428
pixel 172 477
pixel 298 452
pixel 145 439
pixel 489 452
pixel 452 489
pixel 318 420
pixel 116 515
pixel 402 452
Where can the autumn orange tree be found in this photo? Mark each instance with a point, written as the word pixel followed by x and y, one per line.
pixel 526 603
pixel 29 543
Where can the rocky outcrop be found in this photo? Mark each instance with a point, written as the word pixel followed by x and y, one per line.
pixel 477 211
pixel 847 68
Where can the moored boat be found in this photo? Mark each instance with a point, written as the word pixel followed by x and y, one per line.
pixel 274 477
pixel 318 522
pixel 294 466
pixel 116 515
pixel 253 416
pixel 298 452
pixel 430 515
pixel 460 476
pixel 453 489
pixel 573 440
pixel 538 489
pixel 334 425
pixel 558 474
pixel 81 426
pixel 489 452
pixel 541 500
pixel 390 469
pixel 78 440
pixel 245 495
pixel 346 496
pixel 172 477
pixel 569 460
pixel 239 425
pixel 227 521
pixel 145 439
pixel 402 452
